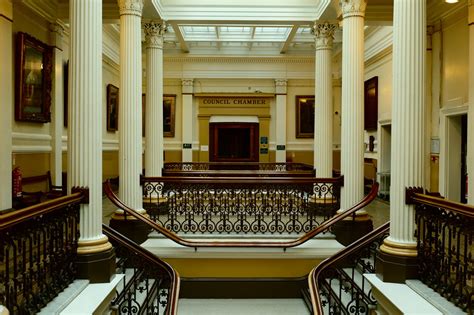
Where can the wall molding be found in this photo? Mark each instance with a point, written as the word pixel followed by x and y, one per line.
pixel 240 59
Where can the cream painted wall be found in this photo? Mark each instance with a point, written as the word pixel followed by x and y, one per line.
pixel 110 75
pixel 455 56
pixel 297 87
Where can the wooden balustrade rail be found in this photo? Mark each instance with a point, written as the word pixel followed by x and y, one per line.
pixel 280 244
pixel 151 270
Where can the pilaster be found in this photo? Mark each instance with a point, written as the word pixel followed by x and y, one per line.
pixel 408 121
pixel 154 31
pixel 323 106
pixel 57 117
pixel 187 119
pixel 6 90
pixel 96 259
pixel 281 99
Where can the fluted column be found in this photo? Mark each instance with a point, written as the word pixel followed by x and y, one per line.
pixel 187 119
pixel 281 88
pixel 85 135
pixel 130 104
pixel 154 98
pixel 323 108
pixel 57 118
pixel 6 107
pixel 470 116
pixel 352 129
pixel 408 121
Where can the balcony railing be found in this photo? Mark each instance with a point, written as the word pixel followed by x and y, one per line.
pixel 38 249
pixel 241 205
pixel 445 232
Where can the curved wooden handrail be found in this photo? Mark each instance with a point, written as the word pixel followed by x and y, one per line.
pixel 18 216
pixel 188 243
pixel 153 259
pixel 457 207
pixel 251 180
pixel 342 254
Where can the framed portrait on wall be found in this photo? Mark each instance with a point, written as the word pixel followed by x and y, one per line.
pixel 33 70
pixel 304 116
pixel 169 106
pixel 112 107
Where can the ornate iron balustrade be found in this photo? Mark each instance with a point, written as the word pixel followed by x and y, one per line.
pixel 150 286
pixel 242 169
pixel 240 205
pixel 444 234
pixel 337 285
pixel 38 248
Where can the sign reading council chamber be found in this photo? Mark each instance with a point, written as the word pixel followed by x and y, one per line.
pixel 234 101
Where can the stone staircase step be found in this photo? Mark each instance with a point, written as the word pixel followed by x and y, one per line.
pixel 62 300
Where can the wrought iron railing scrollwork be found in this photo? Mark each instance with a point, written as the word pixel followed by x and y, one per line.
pixel 38 250
pixel 337 285
pixel 150 285
pixel 241 205
pixel 444 233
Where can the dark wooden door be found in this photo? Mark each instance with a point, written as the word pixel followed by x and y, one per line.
pixel 233 142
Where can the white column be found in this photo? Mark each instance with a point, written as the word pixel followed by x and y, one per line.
pixel 85 119
pixel 187 115
pixel 470 115
pixel 154 98
pixel 408 110
pixel 6 106
pixel 323 107
pixel 57 117
pixel 130 104
pixel 280 89
pixel 352 111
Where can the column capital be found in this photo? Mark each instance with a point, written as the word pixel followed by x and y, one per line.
pixel 353 8
pixel 154 31
pixel 130 7
pixel 280 86
pixel 57 28
pixel 324 34
pixel 187 86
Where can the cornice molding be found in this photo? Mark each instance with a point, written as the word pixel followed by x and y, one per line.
pixel 239 59
pixel 46 9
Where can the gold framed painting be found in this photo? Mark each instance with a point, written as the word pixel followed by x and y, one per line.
pixel 304 116
pixel 169 107
pixel 33 79
pixel 112 107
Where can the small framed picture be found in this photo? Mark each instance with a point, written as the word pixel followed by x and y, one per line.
pixel 304 116
pixel 169 106
pixel 112 107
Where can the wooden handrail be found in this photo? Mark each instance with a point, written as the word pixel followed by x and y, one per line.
pixel 342 254
pixel 288 244
pixel 457 207
pixel 18 216
pixel 173 292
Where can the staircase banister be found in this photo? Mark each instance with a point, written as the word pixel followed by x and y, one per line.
pixel 288 244
pixel 460 208
pixel 342 254
pixel 153 259
pixel 14 217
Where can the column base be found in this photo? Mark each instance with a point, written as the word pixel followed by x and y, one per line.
pixel 96 267
pixel 348 231
pixel 133 229
pixel 394 268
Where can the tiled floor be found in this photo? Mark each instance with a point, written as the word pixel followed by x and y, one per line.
pixel 241 306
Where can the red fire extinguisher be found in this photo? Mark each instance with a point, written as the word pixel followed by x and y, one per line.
pixel 16 185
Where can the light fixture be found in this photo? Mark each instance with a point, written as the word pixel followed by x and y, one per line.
pixel 451 1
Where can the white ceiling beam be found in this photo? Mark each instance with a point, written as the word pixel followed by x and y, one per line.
pixel 289 39
pixel 180 37
pixel 218 35
pixel 252 36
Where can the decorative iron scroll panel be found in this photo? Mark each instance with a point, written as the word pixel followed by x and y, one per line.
pixel 145 287
pixel 233 208
pixel 37 259
pixel 445 253
pixel 342 287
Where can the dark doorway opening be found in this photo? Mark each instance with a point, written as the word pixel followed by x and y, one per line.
pixel 464 159
pixel 233 142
